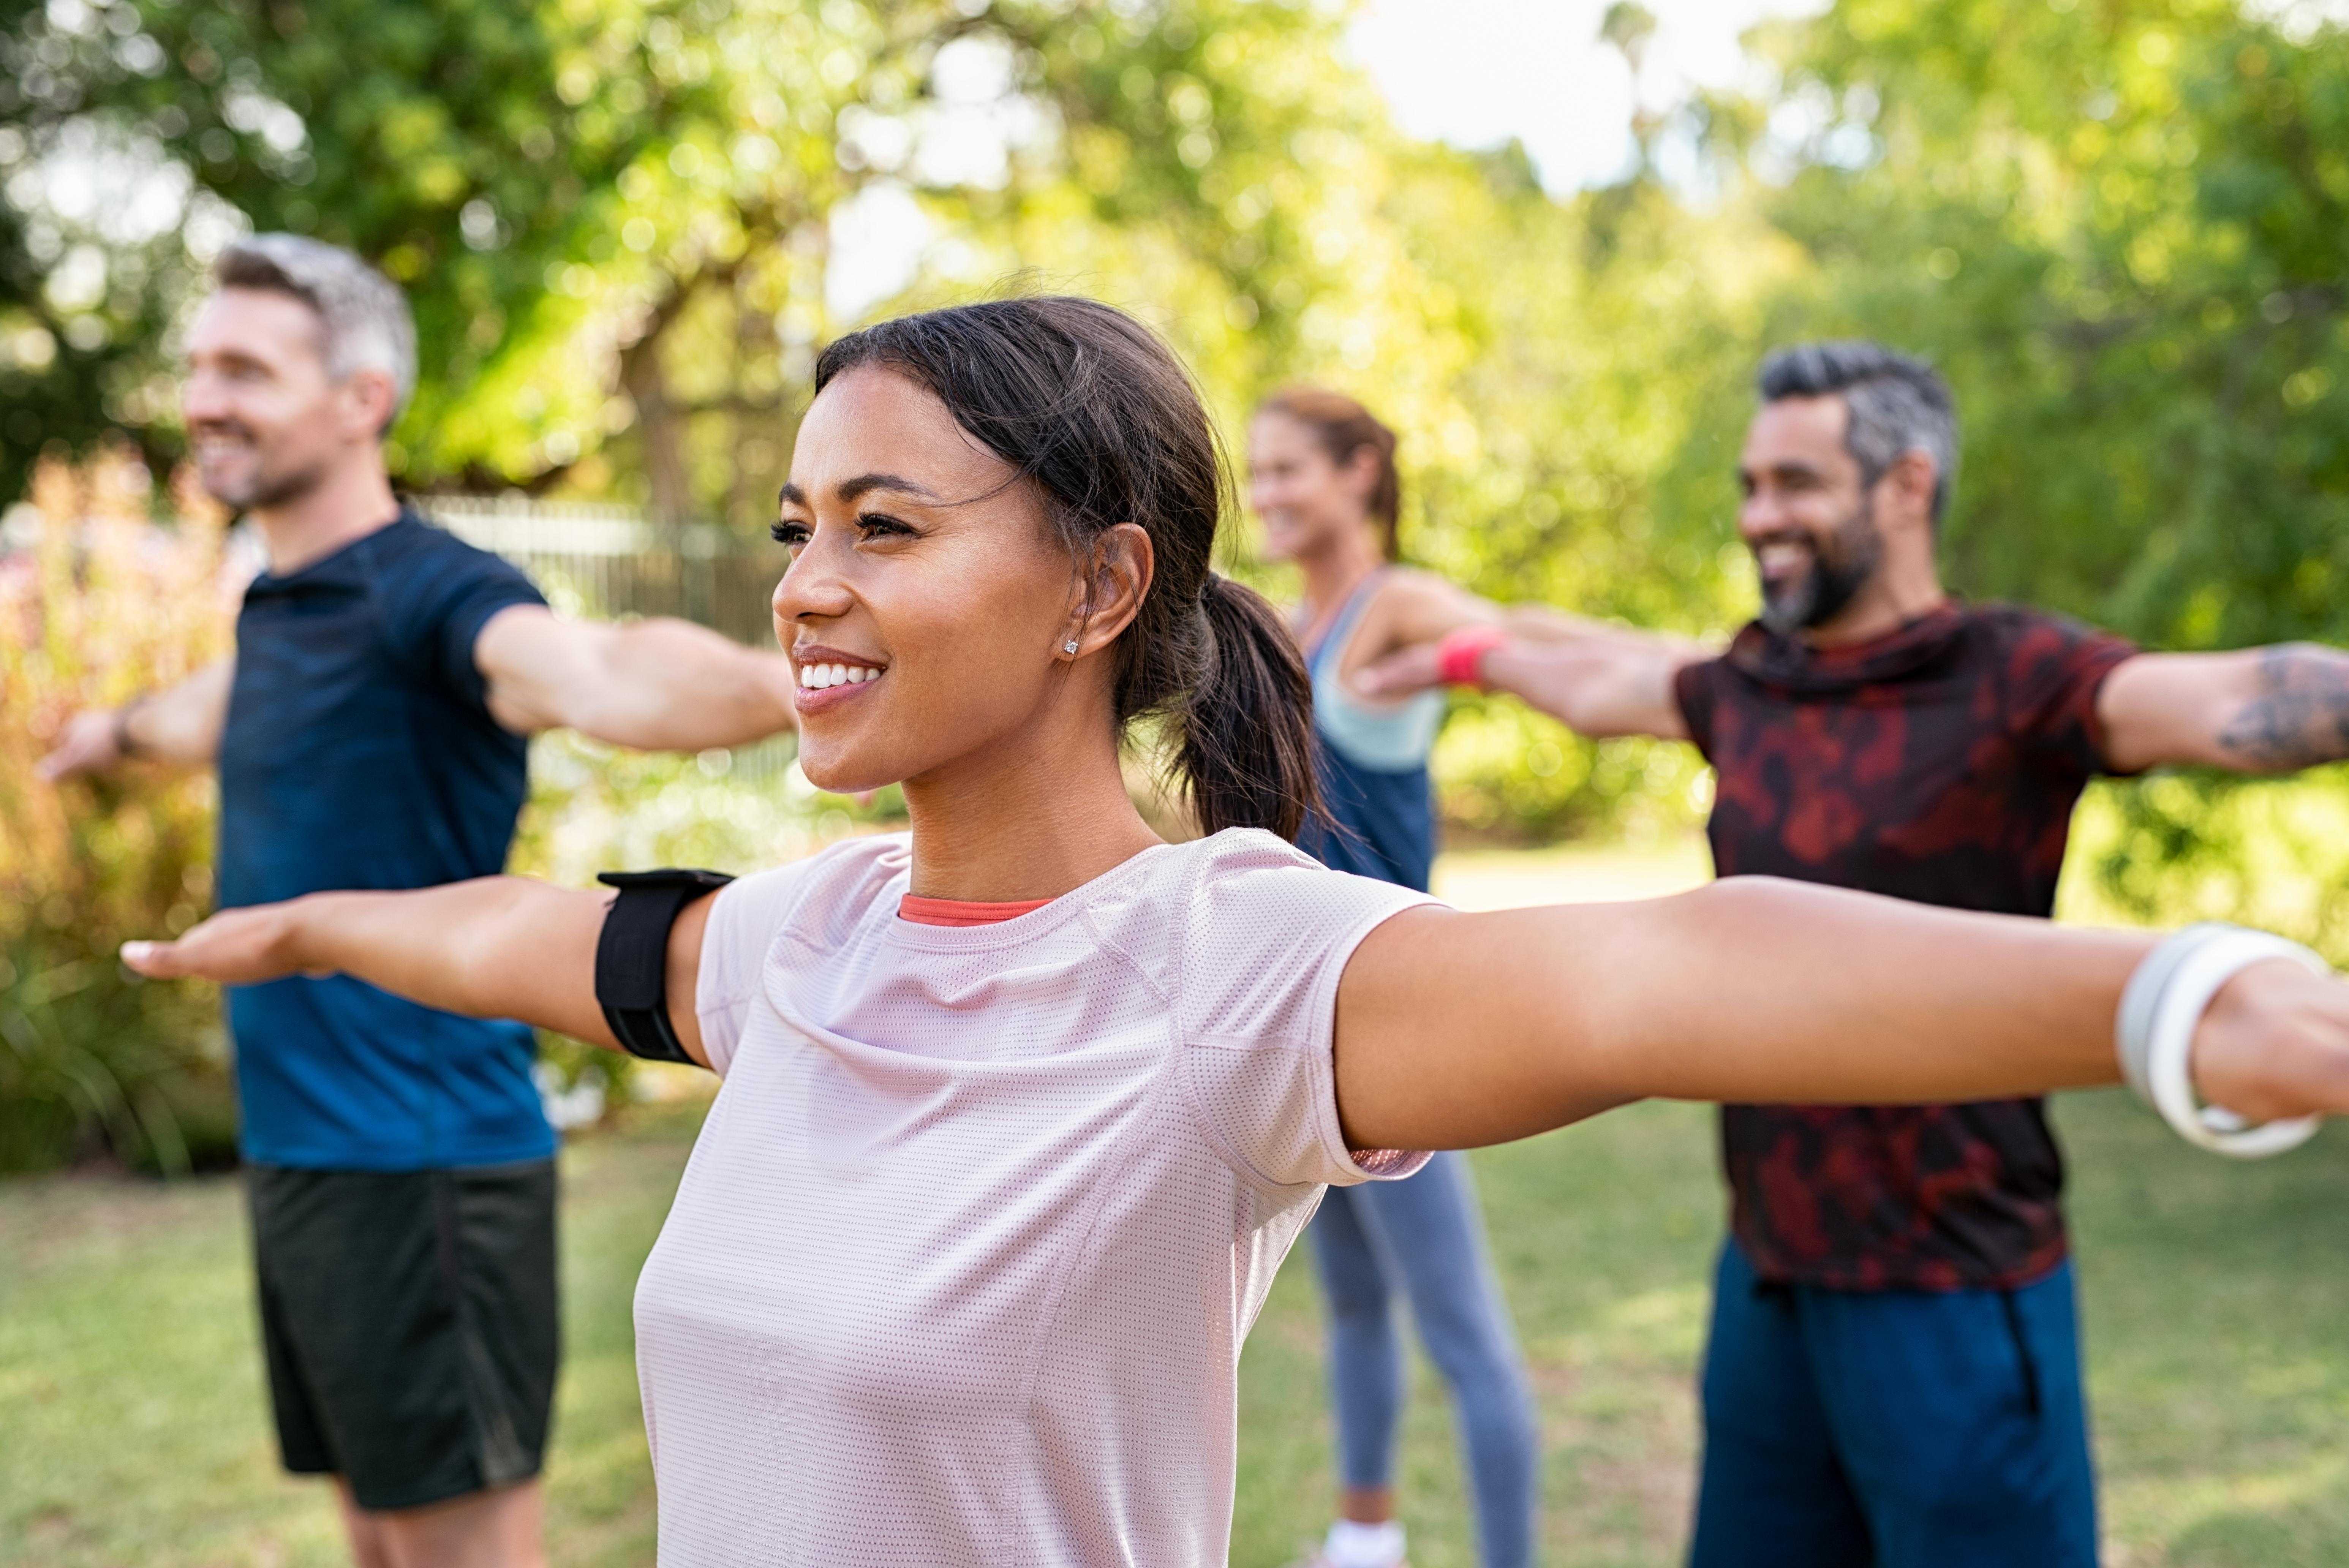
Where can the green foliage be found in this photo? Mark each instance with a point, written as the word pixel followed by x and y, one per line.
pixel 2183 847
pixel 616 219
pixel 594 809
pixel 2118 226
pixel 529 173
pixel 103 607
pixel 373 126
pixel 2122 231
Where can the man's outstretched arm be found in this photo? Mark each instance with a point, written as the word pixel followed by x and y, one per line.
pixel 1598 680
pixel 653 686
pixel 180 724
pixel 2260 710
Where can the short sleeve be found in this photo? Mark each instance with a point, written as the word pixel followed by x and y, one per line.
pixel 744 916
pixel 2055 668
pixel 1266 940
pixel 452 591
pixel 1692 689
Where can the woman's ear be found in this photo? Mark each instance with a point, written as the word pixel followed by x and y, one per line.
pixel 1115 580
pixel 1362 473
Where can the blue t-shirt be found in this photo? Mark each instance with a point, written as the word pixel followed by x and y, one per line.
pixel 361 753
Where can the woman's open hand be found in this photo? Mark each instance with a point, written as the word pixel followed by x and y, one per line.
pixel 2275 1044
pixel 234 947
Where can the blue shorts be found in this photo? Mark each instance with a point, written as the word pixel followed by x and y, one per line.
pixel 1893 1428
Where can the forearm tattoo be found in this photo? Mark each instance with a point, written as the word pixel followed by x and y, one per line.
pixel 2300 715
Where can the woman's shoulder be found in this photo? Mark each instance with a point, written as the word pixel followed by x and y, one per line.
pixel 1263 925
pixel 1245 875
pixel 1413 581
pixel 1409 587
pixel 1237 851
pixel 830 890
pixel 1410 606
pixel 1146 907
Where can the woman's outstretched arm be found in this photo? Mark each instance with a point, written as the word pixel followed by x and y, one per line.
pixel 1456 1030
pixel 496 947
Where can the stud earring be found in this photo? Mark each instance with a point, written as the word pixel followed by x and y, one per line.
pixel 1069 648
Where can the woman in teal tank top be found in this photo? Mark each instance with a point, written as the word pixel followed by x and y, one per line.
pixel 1322 479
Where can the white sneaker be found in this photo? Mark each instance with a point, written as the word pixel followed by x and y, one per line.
pixel 1352 1545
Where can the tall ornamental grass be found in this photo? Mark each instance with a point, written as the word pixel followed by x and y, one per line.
pixel 97 603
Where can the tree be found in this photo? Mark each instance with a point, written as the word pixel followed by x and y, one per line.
pixel 2123 229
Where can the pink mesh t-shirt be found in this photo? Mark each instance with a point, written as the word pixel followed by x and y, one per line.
pixel 960 1266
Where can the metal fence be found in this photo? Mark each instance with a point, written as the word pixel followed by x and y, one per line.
pixel 610 562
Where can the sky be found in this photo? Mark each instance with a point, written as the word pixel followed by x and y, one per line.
pixel 1471 72
pixel 1477 72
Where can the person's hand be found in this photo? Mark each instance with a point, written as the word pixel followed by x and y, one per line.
pixel 2275 1044
pixel 234 947
pixel 86 743
pixel 1402 672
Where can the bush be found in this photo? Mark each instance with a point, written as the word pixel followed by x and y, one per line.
pixel 594 808
pixel 1504 772
pixel 2178 847
pixel 99 604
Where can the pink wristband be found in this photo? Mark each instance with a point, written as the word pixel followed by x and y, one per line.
pixel 1460 657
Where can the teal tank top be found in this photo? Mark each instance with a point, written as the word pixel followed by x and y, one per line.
pixel 1390 736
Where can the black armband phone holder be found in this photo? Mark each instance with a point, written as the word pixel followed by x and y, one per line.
pixel 632 957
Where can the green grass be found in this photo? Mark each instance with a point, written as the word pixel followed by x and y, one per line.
pixel 134 1417
pixel 133 1430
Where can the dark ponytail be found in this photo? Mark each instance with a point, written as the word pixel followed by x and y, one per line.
pixel 1098 416
pixel 1248 728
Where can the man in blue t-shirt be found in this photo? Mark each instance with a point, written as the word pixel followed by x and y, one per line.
pixel 371 733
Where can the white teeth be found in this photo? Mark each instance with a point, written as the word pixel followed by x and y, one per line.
pixel 816 677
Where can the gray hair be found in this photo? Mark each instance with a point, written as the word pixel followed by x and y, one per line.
pixel 1897 404
pixel 364 316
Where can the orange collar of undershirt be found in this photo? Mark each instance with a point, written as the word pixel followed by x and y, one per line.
pixel 963 912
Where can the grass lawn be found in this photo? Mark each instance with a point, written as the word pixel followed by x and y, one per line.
pixel 133 1428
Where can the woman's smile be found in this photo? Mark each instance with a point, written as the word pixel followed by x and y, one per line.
pixel 829 677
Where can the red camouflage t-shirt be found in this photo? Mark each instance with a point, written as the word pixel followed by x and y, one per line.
pixel 1939 763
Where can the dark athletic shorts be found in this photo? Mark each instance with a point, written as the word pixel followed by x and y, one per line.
pixel 409 1322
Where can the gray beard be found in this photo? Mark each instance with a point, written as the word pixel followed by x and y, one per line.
pixel 1839 572
pixel 268 489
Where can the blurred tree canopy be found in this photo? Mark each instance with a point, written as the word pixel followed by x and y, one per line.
pixel 2118 225
pixel 2123 230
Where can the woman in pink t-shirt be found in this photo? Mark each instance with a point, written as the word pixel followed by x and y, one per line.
pixel 1022 1109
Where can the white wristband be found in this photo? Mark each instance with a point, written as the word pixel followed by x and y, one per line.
pixel 2160 1010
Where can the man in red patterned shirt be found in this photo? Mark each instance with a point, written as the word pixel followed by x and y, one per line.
pixel 1893 1374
